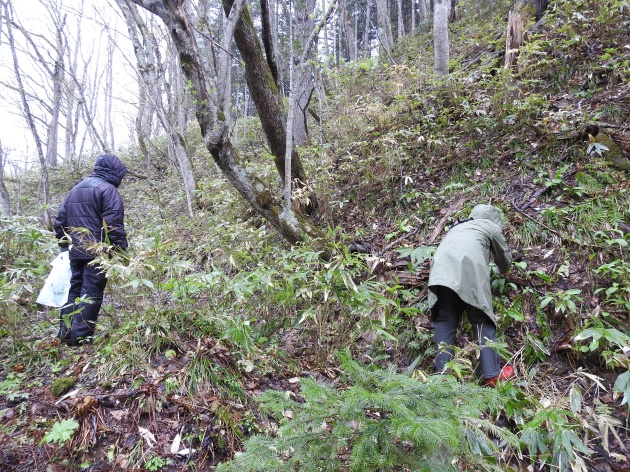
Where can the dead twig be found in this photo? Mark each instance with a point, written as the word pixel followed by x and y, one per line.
pixel 438 229
pixel 396 241
pixel 535 220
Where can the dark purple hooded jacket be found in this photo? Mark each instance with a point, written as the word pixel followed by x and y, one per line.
pixel 93 201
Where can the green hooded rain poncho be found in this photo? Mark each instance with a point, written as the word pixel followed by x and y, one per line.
pixel 461 260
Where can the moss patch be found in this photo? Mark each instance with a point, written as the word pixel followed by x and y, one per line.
pixel 62 385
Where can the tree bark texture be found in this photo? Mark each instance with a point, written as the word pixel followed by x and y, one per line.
pixel 264 93
pixel 440 37
pixel 384 26
pixel 401 24
pixel 349 34
pixel 270 40
pixel 514 39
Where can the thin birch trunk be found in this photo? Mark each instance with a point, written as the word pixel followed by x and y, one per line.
pixel 325 45
pixel 5 198
pixel 366 33
pixel 57 79
pixel 71 104
pixel 401 24
pixel 413 16
pixel 108 125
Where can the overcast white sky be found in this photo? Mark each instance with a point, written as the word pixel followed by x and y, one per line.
pixel 98 15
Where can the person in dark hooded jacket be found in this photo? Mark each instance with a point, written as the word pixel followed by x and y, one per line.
pixel 92 213
pixel 459 281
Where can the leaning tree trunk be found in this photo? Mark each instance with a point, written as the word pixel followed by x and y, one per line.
pixel 215 134
pixel 270 39
pixel 440 37
pixel 264 93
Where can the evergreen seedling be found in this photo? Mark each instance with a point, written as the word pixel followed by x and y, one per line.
pixel 383 421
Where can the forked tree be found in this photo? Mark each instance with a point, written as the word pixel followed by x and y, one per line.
pixel 208 86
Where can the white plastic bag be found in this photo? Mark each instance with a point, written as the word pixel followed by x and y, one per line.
pixel 55 290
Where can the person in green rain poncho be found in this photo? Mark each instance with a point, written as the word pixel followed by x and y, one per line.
pixel 459 281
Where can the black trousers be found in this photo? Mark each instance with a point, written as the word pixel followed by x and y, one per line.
pixel 448 313
pixel 88 281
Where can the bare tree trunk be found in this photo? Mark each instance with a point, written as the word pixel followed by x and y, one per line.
pixel 8 13
pixel 5 199
pixel 424 11
pixel 401 24
pixel 384 26
pixel 88 108
pixel 454 11
pixel 325 46
pixel 440 37
pixel 413 16
pixel 57 79
pixel 178 133
pixel 294 98
pixel 514 39
pixel 348 33
pixel 303 77
pixel 366 33
pixel 108 127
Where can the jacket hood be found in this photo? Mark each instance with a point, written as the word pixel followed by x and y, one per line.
pixel 109 168
pixel 486 212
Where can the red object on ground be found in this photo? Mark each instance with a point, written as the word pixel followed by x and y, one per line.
pixel 506 373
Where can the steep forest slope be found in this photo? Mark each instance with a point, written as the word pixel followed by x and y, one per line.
pixel 216 337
